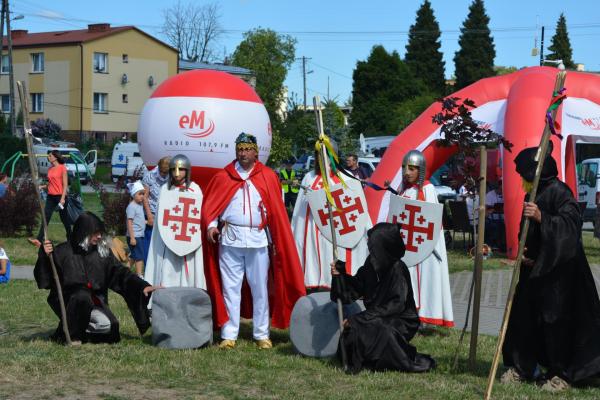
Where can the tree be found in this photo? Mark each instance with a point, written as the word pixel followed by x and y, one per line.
pixel 300 128
pixel 561 45
pixel 423 54
pixel 409 110
pixel 380 84
pixel 475 58
pixel 270 56
pixel 193 29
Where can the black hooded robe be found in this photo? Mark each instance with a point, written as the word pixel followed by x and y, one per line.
pixel 378 338
pixel 85 278
pixel 555 318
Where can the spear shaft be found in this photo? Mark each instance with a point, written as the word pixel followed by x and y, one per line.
pixel 34 177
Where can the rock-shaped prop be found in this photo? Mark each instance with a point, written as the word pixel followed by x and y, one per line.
pixel 181 318
pixel 314 325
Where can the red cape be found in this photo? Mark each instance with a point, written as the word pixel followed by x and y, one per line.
pixel 286 281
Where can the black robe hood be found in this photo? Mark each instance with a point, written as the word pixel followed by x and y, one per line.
pixel 385 246
pixel 525 164
pixel 87 224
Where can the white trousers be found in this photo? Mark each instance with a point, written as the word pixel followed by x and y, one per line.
pixel 234 262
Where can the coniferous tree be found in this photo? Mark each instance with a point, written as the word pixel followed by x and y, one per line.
pixel 475 58
pixel 380 84
pixel 561 45
pixel 423 54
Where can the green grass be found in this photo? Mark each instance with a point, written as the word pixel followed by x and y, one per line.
pixel 33 367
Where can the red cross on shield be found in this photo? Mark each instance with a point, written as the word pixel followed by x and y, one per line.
pixel 350 215
pixel 421 226
pixel 178 220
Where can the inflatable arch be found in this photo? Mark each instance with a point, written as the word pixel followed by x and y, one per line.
pixel 513 105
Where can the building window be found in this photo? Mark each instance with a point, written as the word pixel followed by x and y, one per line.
pixel 37 62
pixel 5 103
pixel 125 58
pixel 125 98
pixel 100 102
pixel 5 69
pixel 37 102
pixel 101 62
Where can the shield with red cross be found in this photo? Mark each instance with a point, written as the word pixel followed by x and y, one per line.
pixel 421 226
pixel 350 215
pixel 178 220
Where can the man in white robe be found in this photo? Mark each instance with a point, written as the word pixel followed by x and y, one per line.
pixel 316 251
pixel 164 267
pixel 430 279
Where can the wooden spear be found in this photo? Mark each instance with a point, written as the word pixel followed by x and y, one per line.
pixel 540 157
pixel 34 177
pixel 324 162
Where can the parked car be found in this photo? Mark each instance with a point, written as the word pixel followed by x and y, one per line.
pixel 126 160
pixel 75 162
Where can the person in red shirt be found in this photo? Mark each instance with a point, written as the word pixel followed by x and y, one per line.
pixel 57 195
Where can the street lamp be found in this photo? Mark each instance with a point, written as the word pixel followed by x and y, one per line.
pixel 559 63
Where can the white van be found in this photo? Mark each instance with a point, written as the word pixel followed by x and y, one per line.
pixel 73 159
pixel 588 186
pixel 126 160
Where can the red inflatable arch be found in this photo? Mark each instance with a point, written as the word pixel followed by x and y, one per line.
pixel 513 105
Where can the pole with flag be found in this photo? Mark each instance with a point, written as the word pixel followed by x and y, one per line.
pixel 327 160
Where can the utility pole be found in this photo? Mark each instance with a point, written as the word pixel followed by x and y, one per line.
pixel 304 73
pixel 542 48
pixel 11 77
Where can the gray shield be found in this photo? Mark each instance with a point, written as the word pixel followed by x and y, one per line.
pixel 314 325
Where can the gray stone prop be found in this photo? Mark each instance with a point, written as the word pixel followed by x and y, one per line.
pixel 181 318
pixel 314 326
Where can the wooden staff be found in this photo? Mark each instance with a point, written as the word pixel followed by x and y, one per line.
pixel 323 160
pixel 540 158
pixel 34 177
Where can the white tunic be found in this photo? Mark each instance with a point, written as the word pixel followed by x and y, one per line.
pixel 430 279
pixel 315 251
pixel 167 268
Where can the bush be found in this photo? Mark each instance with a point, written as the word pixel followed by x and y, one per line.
pixel 46 128
pixel 114 205
pixel 19 208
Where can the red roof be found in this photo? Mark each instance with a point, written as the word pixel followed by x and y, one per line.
pixel 21 38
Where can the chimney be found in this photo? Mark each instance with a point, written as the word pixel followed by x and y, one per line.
pixel 98 27
pixel 18 33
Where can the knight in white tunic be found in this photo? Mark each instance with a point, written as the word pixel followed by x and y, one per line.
pixel 165 267
pixel 314 249
pixel 430 278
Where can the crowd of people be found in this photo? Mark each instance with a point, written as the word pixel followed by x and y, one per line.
pixel 254 263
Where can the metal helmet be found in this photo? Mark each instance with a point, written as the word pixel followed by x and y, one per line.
pixel 415 158
pixel 178 162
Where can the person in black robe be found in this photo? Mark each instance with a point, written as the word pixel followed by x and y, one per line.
pixel 87 268
pixel 378 338
pixel 553 334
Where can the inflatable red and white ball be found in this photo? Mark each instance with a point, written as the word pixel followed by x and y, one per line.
pixel 200 114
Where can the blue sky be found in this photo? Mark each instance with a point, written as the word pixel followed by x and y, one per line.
pixel 336 34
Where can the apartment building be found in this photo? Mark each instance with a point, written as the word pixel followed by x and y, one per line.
pixel 93 82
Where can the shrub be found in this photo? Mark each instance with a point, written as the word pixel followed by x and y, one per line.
pixel 46 128
pixel 19 208
pixel 114 205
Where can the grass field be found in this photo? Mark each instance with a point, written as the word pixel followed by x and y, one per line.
pixel 33 367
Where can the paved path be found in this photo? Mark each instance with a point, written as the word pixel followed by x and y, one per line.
pixel 494 290
pixel 493 295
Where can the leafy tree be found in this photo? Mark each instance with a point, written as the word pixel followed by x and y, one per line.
pixel 300 128
pixel 561 45
pixel 46 128
pixel 475 58
pixel 380 84
pixel 281 149
pixel 408 110
pixel 270 56
pixel 501 70
pixel 333 117
pixel 423 54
